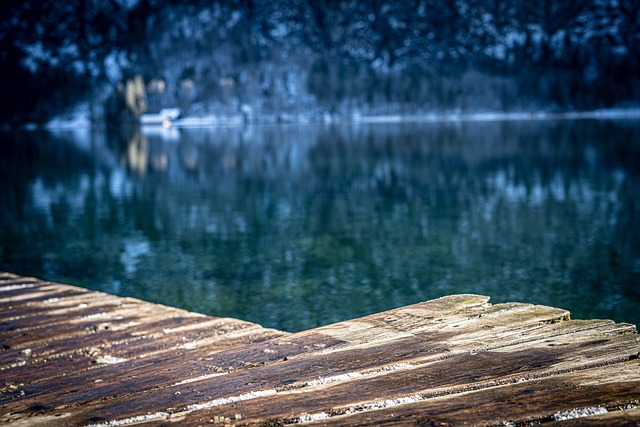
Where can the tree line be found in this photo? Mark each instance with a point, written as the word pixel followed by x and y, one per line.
pixel 334 56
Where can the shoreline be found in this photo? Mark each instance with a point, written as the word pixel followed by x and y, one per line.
pixel 308 119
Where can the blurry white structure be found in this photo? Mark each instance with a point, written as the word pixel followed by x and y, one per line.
pixel 163 118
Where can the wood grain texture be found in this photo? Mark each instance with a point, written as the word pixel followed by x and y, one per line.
pixel 76 357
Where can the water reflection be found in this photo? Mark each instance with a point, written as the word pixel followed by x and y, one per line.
pixel 297 226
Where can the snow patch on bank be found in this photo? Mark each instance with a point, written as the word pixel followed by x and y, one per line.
pixel 80 119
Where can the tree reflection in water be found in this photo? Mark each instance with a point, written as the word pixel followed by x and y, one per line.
pixel 298 226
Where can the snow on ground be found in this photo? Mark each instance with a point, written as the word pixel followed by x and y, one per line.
pixel 81 120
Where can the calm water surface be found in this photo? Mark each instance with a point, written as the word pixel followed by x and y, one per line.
pixel 299 226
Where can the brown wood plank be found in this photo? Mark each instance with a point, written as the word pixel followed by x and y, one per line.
pixel 306 345
pixel 16 287
pixel 64 357
pixel 66 325
pixel 316 362
pixel 167 362
pixel 521 403
pixel 130 318
pixel 41 294
pixel 187 370
pixel 464 372
pixel 623 416
pixel 457 360
pixel 78 302
pixel 102 334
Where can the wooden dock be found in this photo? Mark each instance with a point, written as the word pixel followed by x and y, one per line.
pixel 73 357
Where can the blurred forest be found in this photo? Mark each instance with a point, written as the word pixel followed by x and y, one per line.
pixel 292 57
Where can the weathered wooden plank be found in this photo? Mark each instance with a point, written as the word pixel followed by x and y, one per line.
pixel 440 377
pixel 525 402
pixel 79 302
pixel 133 359
pixel 306 344
pixel 41 294
pixel 129 318
pixel 159 338
pixel 621 416
pixel 318 363
pixel 101 333
pixel 52 316
pixel 19 335
pixel 16 287
pixel 456 360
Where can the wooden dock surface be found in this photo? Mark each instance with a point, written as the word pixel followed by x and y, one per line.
pixel 73 357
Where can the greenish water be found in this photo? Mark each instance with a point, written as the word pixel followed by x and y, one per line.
pixel 294 227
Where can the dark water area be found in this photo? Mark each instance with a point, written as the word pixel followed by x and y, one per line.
pixel 294 227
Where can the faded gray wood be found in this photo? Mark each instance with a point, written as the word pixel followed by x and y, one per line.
pixel 77 357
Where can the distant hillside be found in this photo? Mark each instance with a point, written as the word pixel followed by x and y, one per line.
pixel 282 57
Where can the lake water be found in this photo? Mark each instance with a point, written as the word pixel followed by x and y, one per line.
pixel 294 227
